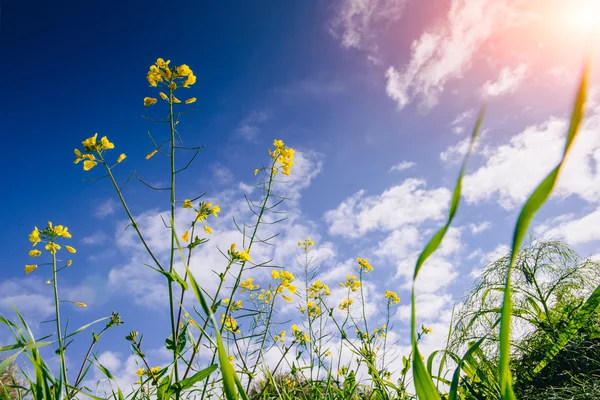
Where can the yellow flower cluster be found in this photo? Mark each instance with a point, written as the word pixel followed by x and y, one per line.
pixel 239 255
pixel 91 145
pixel 364 265
pixel 204 209
pixel 264 296
pixel 306 244
pixel 286 279
pixel 299 336
pixel 160 72
pixel 282 155
pixel 248 285
pixel 236 305
pixel 151 372
pixel 49 236
pixel 230 324
pixel 351 283
pixel 280 337
pixel 313 309
pixel 380 331
pixel 392 297
pixel 345 304
pixel 317 290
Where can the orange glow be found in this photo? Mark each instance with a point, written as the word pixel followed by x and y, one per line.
pixel 582 16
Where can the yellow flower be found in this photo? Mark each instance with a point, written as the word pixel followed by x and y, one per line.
pixel 48 283
pixel 190 100
pixel 90 143
pixel 161 63
pixel 106 144
pixel 52 247
pixel 30 268
pixel 184 70
pixel 392 297
pixel 186 236
pixel 190 80
pixel 364 264
pixel 172 85
pixel 155 369
pixel 426 330
pixel 176 100
pixel 34 253
pixel 69 263
pixel 34 236
pixel 275 274
pixel 208 230
pixel 163 96
pixel 256 171
pixel 79 304
pixel 148 101
pixel 87 165
pixel 244 255
pixel 63 231
pixel 140 372
pixel 150 155
pixel 216 209
pixel 187 203
pixel 121 157
pixel 70 249
pixel 295 328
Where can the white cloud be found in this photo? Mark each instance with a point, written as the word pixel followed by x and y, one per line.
pixel 105 208
pixel 222 174
pixel 249 127
pixel 404 204
pixel 445 52
pixel 478 228
pixel 404 165
pixel 357 21
pixel 530 156
pixel 97 237
pixel 315 87
pixel 508 81
pixel 454 154
pixel 573 230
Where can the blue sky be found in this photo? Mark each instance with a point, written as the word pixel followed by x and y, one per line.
pixel 376 96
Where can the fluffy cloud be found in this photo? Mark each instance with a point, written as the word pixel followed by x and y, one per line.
pixel 573 230
pixel 445 52
pixel 105 208
pixel 404 204
pixel 508 81
pixel 478 228
pixel 531 155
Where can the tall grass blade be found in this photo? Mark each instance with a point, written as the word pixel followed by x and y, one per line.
pixel 230 378
pixel 532 205
pixel 424 385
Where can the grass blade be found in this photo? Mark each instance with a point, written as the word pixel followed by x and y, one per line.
pixel 424 385
pixel 532 205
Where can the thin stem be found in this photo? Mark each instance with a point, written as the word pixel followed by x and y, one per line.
pixel 131 219
pixel 61 350
pixel 172 255
pixel 86 358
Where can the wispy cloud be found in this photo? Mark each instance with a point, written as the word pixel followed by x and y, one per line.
pixel 105 208
pixel 314 87
pixel 404 165
pixel 445 52
pixel 249 127
pixel 508 81
pixel 97 237
pixel 356 22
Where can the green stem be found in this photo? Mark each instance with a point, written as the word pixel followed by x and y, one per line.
pixel 172 256
pixel 61 350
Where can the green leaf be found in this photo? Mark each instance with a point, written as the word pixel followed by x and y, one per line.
pixel 163 392
pixel 197 377
pixel 76 331
pixel 532 205
pixel 422 380
pixel 230 378
pixel 181 340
